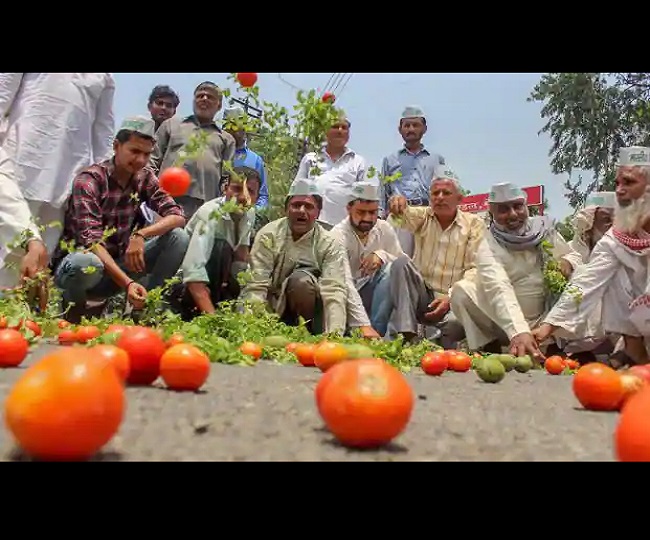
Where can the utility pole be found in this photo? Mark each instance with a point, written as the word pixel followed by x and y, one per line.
pixel 251 111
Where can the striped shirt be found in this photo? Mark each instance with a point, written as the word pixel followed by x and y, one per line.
pixel 443 256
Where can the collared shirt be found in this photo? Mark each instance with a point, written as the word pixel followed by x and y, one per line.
pixel 335 180
pixel 418 169
pixel 56 124
pixel 98 203
pixel 443 256
pixel 204 228
pixel 206 169
pixel 245 157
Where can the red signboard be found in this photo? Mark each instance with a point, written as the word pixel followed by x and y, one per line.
pixel 478 203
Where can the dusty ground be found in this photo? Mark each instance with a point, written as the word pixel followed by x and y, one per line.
pixel 267 412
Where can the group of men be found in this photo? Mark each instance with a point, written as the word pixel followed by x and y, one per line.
pixel 386 255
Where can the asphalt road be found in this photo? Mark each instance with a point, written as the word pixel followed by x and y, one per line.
pixel 267 412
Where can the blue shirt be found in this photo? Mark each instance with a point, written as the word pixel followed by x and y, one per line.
pixel 245 157
pixel 418 170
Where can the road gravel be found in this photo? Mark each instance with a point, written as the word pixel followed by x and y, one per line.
pixel 267 413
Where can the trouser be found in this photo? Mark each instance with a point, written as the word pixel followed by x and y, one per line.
pixel 410 298
pixel 375 295
pixel 81 275
pixel 303 301
pixel 222 282
pixel 51 219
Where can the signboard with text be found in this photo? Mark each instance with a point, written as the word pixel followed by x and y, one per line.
pixel 478 204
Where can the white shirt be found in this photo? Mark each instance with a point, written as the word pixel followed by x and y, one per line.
pixel 335 180
pixel 15 218
pixel 615 275
pixel 382 241
pixel 54 125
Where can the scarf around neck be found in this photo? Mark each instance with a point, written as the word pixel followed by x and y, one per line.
pixel 533 234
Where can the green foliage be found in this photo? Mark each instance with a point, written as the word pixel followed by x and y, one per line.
pixel 589 117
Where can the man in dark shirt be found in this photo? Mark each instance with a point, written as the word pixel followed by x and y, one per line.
pixel 206 167
pixel 100 219
pixel 162 104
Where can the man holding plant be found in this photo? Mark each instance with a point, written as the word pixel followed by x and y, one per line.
pixel 220 236
pixel 102 252
pixel 445 243
pixel 300 270
pixel 506 296
pixel 618 272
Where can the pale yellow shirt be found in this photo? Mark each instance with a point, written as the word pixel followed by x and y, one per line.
pixel 443 256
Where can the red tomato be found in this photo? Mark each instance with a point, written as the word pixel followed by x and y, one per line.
pixel 643 372
pixel 175 181
pixel 328 97
pixel 247 80
pixel 145 348
pixel 434 363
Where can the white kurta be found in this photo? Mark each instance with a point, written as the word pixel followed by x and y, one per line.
pixel 382 241
pixel 15 218
pixel 57 124
pixel 615 275
pixel 335 180
pixel 507 293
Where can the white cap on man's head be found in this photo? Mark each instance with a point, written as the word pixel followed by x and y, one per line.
pixel 364 191
pixel 139 124
pixel 412 111
pixel 634 156
pixel 303 187
pixel 506 192
pixel 601 199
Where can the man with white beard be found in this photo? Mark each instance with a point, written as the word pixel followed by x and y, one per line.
pixel 592 222
pixel 506 297
pixel 617 272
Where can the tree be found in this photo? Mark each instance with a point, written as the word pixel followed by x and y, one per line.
pixel 589 117
pixel 282 138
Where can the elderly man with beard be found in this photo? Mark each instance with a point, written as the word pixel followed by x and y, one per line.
pixel 299 270
pixel 446 239
pixel 617 273
pixel 506 296
pixel 592 222
pixel 371 246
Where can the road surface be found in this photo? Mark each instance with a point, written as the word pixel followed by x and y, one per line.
pixel 267 412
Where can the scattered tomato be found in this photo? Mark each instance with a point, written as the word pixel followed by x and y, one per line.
pixel 13 348
pixel 329 354
pixel 251 349
pixel 554 365
pixel 67 337
pixel 434 363
pixel 87 333
pixel 459 361
pixel 305 354
pixel 642 372
pixel 632 434
pixel 598 387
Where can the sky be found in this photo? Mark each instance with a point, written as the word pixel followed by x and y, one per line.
pixel 480 122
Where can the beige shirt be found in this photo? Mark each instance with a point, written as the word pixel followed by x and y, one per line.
pixel 382 241
pixel 443 257
pixel 275 255
pixel 206 169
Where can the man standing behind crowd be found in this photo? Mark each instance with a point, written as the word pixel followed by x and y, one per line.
pixel 334 170
pixel 244 156
pixel 417 166
pixel 57 124
pixel 162 105
pixel 205 168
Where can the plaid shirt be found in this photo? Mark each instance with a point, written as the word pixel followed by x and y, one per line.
pixel 98 203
